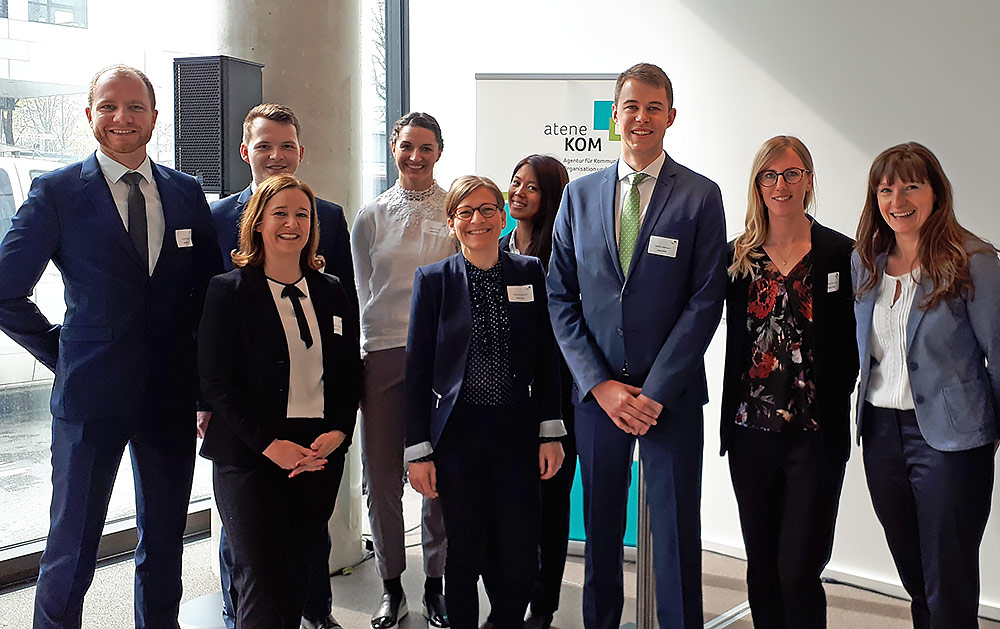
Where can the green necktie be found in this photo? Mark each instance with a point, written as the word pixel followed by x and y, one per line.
pixel 629 231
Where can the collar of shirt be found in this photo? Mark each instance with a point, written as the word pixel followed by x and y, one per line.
pixel 646 187
pixel 476 274
pixel 277 287
pixel 114 170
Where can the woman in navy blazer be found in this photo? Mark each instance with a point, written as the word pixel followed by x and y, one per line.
pixel 928 313
pixel 786 414
pixel 280 364
pixel 482 382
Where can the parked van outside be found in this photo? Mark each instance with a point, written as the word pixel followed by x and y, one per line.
pixel 18 368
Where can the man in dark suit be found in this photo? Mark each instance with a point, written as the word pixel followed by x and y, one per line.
pixel 136 248
pixel 271 147
pixel 636 282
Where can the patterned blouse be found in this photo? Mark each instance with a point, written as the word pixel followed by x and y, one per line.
pixel 487 380
pixel 778 385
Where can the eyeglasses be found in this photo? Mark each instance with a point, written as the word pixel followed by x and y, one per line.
pixel 769 178
pixel 465 212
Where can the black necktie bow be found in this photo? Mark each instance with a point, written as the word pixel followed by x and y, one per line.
pixel 294 294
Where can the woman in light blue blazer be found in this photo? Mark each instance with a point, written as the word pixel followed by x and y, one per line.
pixel 928 314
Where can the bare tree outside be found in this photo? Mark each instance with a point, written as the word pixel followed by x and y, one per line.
pixel 52 126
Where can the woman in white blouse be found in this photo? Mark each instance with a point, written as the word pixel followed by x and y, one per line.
pixel 928 313
pixel 402 229
pixel 279 362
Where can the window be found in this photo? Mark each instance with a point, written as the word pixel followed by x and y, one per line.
pixel 61 12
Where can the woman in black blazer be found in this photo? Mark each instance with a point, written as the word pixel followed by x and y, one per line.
pixel 279 363
pixel 482 384
pixel 791 363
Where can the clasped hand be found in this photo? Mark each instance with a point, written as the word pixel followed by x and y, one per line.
pixel 291 456
pixel 627 407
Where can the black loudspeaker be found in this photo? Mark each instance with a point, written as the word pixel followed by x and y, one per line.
pixel 212 95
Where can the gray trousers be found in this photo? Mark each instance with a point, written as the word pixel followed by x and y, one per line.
pixel 383 439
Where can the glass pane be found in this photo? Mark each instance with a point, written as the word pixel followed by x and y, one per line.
pixel 373 60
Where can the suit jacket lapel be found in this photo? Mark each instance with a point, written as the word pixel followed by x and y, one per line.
pixel 263 306
pixel 323 307
pixel 97 191
pixel 456 318
pixel 608 190
pixel 924 288
pixel 520 318
pixel 657 203
pixel 166 188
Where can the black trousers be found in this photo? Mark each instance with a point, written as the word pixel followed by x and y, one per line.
pixel 275 524
pixel 933 506
pixel 488 482
pixel 788 492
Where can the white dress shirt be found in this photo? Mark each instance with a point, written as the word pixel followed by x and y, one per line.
pixel 155 226
pixel 305 365
pixel 889 386
pixel 646 187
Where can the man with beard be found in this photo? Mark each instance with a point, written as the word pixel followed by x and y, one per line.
pixel 135 245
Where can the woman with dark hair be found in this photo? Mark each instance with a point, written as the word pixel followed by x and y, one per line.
pixel 482 382
pixel 534 194
pixel 790 368
pixel 279 362
pixel 928 298
pixel 399 231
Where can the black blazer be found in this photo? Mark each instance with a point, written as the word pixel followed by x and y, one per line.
pixel 835 356
pixel 243 363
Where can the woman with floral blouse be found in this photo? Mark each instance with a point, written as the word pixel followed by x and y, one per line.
pixel 791 363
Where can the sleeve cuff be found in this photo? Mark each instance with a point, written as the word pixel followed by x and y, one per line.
pixel 420 450
pixel 553 428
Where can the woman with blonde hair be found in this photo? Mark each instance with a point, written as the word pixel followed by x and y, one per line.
pixel 483 405
pixel 791 364
pixel 279 362
pixel 928 300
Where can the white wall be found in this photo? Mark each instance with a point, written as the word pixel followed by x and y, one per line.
pixel 850 78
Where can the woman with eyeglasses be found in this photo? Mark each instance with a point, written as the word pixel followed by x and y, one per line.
pixel 399 231
pixel 791 364
pixel 483 423
pixel 536 187
pixel 279 361
pixel 928 310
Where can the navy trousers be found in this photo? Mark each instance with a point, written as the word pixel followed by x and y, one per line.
pixel 933 506
pixel 671 455
pixel 788 492
pixel 487 479
pixel 85 460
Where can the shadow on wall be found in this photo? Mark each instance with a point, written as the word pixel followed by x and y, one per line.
pixel 884 72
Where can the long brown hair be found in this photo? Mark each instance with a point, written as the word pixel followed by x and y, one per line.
pixel 251 250
pixel 552 178
pixel 941 250
pixel 746 246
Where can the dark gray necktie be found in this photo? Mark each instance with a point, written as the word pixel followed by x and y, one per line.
pixel 137 217
pixel 294 294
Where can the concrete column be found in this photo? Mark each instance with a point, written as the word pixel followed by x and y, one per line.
pixel 311 51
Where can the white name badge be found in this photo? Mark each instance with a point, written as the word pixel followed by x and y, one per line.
pixel 521 294
pixel 338 325
pixel 183 237
pixel 434 228
pixel 661 246
pixel 833 282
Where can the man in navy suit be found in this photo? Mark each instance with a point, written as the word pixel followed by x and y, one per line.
pixel 636 283
pixel 135 246
pixel 271 147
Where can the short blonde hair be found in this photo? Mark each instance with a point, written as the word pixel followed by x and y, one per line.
pixel 466 185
